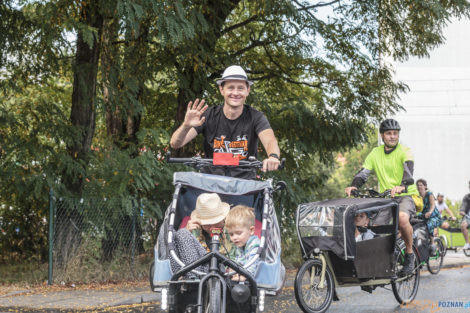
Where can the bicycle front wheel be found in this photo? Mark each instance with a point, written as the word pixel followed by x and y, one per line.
pixel 310 296
pixel 406 288
pixel 434 263
pixel 213 300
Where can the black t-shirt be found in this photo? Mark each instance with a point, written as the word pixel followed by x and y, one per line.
pixel 465 207
pixel 239 136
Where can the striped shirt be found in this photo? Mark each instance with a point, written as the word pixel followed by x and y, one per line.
pixel 244 254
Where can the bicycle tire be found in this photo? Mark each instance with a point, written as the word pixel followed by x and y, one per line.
pixel 213 296
pixel 412 280
pixel 306 287
pixel 444 243
pixel 151 274
pixel 434 263
pixel 466 252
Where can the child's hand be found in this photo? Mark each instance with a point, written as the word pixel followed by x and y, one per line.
pixel 193 224
pixel 238 277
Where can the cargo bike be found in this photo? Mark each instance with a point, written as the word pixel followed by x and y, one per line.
pixel 333 258
pixel 452 237
pixel 189 290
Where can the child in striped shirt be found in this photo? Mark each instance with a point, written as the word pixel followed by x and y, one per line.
pixel 240 225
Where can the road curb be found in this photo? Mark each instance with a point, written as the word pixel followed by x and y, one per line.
pixel 141 296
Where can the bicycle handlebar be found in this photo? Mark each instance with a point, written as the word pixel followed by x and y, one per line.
pixel 370 193
pixel 198 162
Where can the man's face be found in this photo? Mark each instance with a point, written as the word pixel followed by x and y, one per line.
pixel 440 199
pixel 234 92
pixel 390 138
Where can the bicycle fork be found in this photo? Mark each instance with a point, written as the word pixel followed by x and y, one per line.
pixel 323 271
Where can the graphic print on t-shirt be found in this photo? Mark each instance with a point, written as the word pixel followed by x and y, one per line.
pixel 238 147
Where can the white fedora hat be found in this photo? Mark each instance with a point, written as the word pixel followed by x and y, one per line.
pixel 210 209
pixel 234 72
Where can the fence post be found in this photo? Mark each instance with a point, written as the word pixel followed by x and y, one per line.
pixel 133 234
pixel 51 235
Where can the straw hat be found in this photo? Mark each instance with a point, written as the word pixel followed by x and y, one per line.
pixel 234 72
pixel 210 209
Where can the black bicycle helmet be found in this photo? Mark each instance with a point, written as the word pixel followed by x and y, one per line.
pixel 389 124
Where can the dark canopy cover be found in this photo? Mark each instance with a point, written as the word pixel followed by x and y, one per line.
pixel 329 225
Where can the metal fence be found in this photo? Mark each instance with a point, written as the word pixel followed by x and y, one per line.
pixel 97 239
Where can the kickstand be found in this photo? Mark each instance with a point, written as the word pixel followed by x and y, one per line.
pixel 335 295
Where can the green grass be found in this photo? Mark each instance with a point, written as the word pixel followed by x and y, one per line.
pixel 24 273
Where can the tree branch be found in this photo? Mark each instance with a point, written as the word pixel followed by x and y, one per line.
pixel 235 26
pixel 318 5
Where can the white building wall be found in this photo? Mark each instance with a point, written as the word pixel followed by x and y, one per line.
pixel 436 124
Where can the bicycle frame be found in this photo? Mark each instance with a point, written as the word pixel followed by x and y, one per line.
pixel 326 262
pixel 214 258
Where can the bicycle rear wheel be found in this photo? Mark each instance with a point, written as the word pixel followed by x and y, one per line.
pixel 310 297
pixel 405 288
pixel 444 243
pixel 434 263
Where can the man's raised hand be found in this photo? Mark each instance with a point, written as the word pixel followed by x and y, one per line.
pixel 193 117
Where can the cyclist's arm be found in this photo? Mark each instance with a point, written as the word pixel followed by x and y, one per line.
pixel 432 206
pixel 449 212
pixel 269 142
pixel 408 168
pixel 182 136
pixel 361 177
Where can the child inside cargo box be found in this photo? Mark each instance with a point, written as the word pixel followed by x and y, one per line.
pixel 362 232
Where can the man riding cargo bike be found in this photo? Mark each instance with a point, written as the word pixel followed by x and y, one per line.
pixel 393 165
pixel 201 274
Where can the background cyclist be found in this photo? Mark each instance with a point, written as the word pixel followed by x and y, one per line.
pixel 393 165
pixel 430 212
pixel 465 212
pixel 441 206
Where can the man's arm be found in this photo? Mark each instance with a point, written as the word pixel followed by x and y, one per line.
pixel 193 118
pixel 449 212
pixel 270 145
pixel 182 136
pixel 359 179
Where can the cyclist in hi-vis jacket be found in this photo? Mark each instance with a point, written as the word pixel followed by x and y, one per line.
pixel 392 163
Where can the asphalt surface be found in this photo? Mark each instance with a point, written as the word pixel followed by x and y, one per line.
pixel 451 284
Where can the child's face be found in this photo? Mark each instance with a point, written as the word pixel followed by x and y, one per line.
pixel 239 234
pixel 361 219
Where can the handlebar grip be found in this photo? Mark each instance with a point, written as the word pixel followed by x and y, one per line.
pixel 179 160
pixel 355 193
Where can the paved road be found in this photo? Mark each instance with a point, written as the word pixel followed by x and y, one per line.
pixel 450 285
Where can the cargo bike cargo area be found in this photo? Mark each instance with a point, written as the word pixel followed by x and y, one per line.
pixel 333 258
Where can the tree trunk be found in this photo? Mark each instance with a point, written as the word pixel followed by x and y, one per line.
pixel 82 116
pixel 84 92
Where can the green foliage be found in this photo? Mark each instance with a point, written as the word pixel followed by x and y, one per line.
pixel 317 67
pixel 454 207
